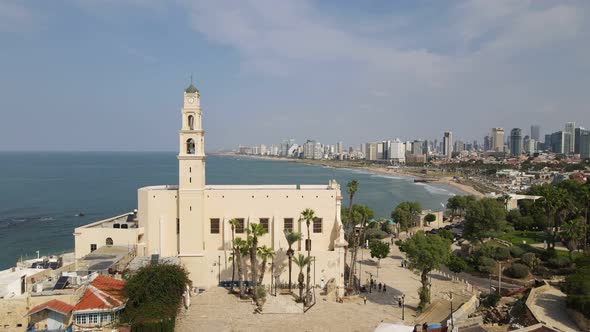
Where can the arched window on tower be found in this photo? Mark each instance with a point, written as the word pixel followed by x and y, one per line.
pixel 190 146
pixel 191 122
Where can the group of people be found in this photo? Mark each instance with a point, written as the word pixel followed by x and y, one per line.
pixel 404 263
pixel 377 286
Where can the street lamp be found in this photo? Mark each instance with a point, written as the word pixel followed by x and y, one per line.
pixel 403 305
pixel 452 321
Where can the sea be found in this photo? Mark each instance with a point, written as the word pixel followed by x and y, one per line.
pixel 42 194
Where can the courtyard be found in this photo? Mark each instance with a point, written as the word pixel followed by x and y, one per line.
pixel 216 310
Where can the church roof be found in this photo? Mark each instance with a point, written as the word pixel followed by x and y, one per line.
pixel 191 89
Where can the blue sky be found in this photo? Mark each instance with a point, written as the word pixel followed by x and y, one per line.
pixel 108 74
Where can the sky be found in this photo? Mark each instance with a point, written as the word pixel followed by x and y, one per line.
pixel 108 75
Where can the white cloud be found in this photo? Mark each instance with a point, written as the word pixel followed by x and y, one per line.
pixel 489 63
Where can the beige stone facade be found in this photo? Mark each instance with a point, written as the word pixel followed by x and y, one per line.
pixel 191 220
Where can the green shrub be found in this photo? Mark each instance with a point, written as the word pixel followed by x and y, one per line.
pixel 164 325
pixel 486 251
pixel 424 294
pixel 516 252
pixel 490 300
pixel 446 234
pixel 531 260
pixel 517 271
pixel 502 253
pixel 456 264
pixel 486 264
pixel 559 262
pixel 155 293
pixel 374 233
pixel 261 292
pixel 549 254
pixel 577 288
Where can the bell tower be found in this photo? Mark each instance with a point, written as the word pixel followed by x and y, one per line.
pixel 191 176
pixel 191 154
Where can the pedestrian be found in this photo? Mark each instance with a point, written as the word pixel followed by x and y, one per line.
pixel 380 286
pixel 365 299
pixel 399 301
pixel 384 288
pixel 424 327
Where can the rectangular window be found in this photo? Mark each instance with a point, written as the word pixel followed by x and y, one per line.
pixel 317 225
pixel 240 226
pixel 288 224
pixel 215 226
pixel 264 223
pixel 177 226
pixel 81 319
pixel 106 318
pixel 93 318
pixel 92 247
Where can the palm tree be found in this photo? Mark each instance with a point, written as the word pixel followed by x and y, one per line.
pixel 292 237
pixel 572 231
pixel 233 222
pixel 308 215
pixel 351 187
pixel 241 250
pixel 264 253
pixel 301 261
pixel 362 214
pixel 254 231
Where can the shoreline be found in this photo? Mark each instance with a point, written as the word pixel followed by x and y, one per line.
pixel 446 180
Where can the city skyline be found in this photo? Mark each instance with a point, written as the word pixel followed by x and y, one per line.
pixel 328 70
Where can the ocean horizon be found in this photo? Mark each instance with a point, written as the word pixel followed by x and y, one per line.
pixel 41 193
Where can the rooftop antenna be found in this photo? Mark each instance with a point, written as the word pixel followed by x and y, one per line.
pixel 191 78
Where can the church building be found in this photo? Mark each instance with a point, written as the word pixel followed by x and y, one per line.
pixel 190 220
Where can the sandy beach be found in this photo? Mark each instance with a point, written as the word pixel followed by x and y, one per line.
pixel 446 180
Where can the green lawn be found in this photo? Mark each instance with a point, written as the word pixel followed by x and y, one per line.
pixel 517 237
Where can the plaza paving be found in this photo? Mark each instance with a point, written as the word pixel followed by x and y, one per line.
pixel 216 310
pixel 549 307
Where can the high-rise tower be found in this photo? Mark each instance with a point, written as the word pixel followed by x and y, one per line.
pixel 498 139
pixel 536 132
pixel 448 144
pixel 516 142
pixel 570 128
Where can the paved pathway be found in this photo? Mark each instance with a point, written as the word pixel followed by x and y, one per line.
pixel 549 307
pixel 216 310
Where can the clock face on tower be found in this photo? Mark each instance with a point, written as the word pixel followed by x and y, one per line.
pixel 191 100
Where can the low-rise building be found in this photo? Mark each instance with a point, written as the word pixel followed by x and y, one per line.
pixel 100 305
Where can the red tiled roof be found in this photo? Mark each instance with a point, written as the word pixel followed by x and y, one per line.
pixel 102 293
pixel 55 305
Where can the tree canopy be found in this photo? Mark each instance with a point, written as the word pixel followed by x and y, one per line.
pixel 154 293
pixel 458 205
pixel 577 287
pixel 456 264
pixel 404 212
pixel 484 218
pixel 426 252
pixel 379 249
